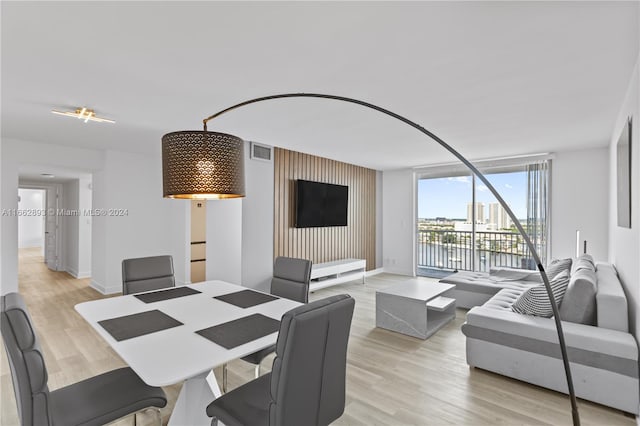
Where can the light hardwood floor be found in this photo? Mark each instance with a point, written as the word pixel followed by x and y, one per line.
pixel 392 379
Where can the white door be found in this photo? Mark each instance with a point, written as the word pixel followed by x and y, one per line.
pixel 51 227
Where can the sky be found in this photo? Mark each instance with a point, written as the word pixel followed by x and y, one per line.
pixel 448 197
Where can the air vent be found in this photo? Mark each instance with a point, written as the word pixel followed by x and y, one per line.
pixel 260 152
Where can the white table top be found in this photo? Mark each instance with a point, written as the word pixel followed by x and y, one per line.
pixel 176 354
pixel 417 289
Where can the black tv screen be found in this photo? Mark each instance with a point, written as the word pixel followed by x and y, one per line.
pixel 320 204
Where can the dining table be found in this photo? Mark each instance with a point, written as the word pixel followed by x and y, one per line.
pixel 180 334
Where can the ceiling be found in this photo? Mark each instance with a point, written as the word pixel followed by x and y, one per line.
pixel 32 173
pixel 492 79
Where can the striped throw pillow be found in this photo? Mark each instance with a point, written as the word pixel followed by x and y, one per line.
pixel 557 266
pixel 535 300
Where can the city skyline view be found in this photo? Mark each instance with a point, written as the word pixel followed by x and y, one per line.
pixel 449 197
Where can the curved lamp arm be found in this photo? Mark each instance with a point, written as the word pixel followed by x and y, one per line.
pixel 479 175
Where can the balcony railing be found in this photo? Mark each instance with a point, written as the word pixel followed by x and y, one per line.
pixel 447 250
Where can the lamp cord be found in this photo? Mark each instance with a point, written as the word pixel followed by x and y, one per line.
pixel 554 306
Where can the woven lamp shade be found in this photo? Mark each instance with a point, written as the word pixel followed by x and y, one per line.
pixel 202 165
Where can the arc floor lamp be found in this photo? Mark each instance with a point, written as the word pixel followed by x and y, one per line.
pixel 210 165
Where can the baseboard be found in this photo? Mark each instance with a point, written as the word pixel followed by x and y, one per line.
pixel 397 271
pixel 104 290
pixel 374 272
pixel 78 275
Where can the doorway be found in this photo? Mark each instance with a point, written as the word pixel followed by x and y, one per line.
pixel 38 225
pixel 54 213
pixel 31 227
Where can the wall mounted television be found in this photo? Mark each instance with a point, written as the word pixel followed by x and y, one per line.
pixel 320 204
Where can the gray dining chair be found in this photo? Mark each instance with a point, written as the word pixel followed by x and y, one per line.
pixel 94 401
pixel 291 277
pixel 307 383
pixel 147 273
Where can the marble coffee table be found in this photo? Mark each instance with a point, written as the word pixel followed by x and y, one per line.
pixel 416 307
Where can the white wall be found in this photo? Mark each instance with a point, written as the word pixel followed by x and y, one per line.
pixel 224 240
pixel 84 228
pixel 624 243
pixel 257 224
pixel 579 201
pixel 76 197
pixel 31 224
pixel 138 221
pixel 398 221
pixel 2 191
pixel 121 180
pixel 69 223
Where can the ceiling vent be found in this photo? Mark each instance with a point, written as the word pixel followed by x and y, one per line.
pixel 260 152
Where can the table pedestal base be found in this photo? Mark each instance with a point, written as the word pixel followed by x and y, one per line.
pixel 197 392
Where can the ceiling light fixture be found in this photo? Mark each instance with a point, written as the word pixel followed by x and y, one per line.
pixel 83 114
pixel 47 175
pixel 202 164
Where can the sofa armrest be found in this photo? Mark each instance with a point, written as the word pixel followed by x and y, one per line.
pixel 611 303
pixel 578 336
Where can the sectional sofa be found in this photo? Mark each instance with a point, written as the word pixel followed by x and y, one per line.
pixel 602 352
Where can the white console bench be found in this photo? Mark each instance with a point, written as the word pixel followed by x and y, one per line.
pixel 336 272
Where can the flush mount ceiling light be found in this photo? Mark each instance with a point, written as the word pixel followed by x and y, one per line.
pixel 83 114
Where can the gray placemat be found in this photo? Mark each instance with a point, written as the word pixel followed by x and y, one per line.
pixel 171 293
pixel 246 298
pixel 129 326
pixel 243 330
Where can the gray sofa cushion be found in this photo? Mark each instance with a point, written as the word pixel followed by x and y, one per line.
pixel 584 261
pixel 579 302
pixel 481 282
pixel 535 300
pixel 510 274
pixel 504 299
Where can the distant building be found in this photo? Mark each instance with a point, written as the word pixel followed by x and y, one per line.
pixel 479 213
pixel 498 217
pixel 467 227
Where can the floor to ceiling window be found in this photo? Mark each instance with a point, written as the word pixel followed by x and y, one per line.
pixel 461 225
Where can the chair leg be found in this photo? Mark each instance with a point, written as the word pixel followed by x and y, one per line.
pixel 224 378
pixel 257 370
pixel 159 414
pixel 156 410
pixel 214 421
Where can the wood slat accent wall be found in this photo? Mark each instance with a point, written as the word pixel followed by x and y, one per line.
pixel 356 240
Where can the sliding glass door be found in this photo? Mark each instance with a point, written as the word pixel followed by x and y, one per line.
pixel 461 226
pixel 445 238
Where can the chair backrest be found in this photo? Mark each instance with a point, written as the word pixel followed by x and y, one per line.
pixel 147 273
pixel 309 371
pixel 28 370
pixel 291 278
